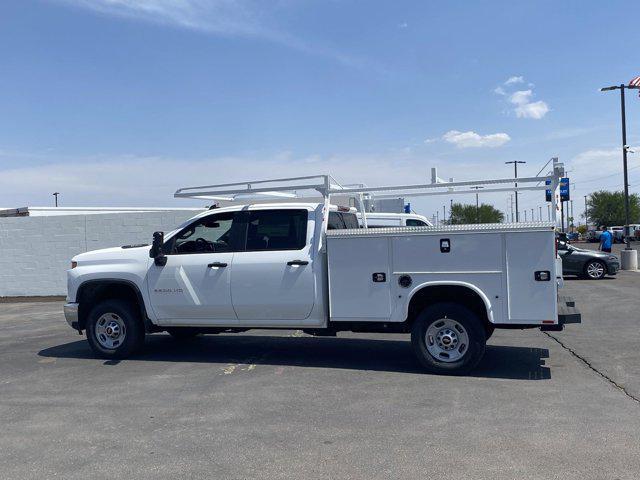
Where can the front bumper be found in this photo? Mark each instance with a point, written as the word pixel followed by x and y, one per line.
pixel 71 314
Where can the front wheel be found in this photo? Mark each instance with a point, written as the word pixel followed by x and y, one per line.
pixel 448 339
pixel 595 270
pixel 114 329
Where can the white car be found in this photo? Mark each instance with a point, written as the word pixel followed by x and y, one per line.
pixel 383 219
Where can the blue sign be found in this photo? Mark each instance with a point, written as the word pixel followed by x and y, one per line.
pixel 547 192
pixel 564 190
pixel 407 208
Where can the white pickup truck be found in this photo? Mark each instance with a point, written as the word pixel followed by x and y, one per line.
pixel 309 266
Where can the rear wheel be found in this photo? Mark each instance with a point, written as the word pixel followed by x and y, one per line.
pixel 448 339
pixel 595 270
pixel 114 329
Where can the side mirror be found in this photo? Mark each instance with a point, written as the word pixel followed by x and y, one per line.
pixel 156 249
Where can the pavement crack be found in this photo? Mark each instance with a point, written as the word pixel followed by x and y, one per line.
pixel 591 367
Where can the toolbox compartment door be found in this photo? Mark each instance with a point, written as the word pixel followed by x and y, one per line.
pixel 354 293
pixel 531 300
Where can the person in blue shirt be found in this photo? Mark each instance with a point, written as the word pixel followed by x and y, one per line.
pixel 606 239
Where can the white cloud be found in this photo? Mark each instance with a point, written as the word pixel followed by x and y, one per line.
pixel 596 160
pixel 513 80
pixel 522 99
pixel 232 18
pixel 525 108
pixel 474 140
pixel 403 25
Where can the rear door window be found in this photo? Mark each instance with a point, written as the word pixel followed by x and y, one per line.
pixel 276 230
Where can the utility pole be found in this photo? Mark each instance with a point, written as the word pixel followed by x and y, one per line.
pixel 586 213
pixel 539 213
pixel 571 202
pixel 548 212
pixel 444 212
pixel 437 217
pixel 525 215
pixel 625 148
pixel 511 196
pixel 476 188
pixel 515 171
pixel 532 219
pixel 55 194
pixel 561 216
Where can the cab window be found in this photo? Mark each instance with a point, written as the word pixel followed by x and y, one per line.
pixel 210 234
pixel 341 221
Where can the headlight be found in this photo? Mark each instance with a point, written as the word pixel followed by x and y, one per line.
pixel 613 258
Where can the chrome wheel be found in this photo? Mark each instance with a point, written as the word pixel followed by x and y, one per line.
pixel 110 331
pixel 447 340
pixel 595 270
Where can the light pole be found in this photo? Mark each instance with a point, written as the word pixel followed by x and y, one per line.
pixel 634 84
pixel 539 213
pixel 55 194
pixel 548 212
pixel 476 188
pixel 515 170
pixel 444 212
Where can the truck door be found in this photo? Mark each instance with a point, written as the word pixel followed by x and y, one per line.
pixel 273 277
pixel 194 287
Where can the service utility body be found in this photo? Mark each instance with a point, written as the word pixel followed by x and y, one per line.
pixel 293 264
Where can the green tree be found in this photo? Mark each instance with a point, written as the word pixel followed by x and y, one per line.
pixel 464 214
pixel 607 208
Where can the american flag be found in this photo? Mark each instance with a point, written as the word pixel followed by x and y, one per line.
pixel 635 82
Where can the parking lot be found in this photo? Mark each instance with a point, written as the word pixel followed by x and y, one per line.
pixel 285 405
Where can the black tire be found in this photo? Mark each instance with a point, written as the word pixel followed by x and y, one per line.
pixel 597 265
pixel 183 333
pixel 469 324
pixel 488 330
pixel 123 314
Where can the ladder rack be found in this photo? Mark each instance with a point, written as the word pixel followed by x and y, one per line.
pixel 288 189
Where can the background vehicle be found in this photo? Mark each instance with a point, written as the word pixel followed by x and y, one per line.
pixel 383 219
pixel 279 265
pixel 593 236
pixel 594 265
pixel 618 234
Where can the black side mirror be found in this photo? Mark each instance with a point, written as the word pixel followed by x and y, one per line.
pixel 156 249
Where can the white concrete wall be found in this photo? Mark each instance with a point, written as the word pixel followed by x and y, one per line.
pixel 35 252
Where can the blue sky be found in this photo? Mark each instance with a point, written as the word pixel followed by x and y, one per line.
pixel 120 102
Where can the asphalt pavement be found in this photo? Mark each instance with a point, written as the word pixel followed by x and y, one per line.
pixel 276 405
